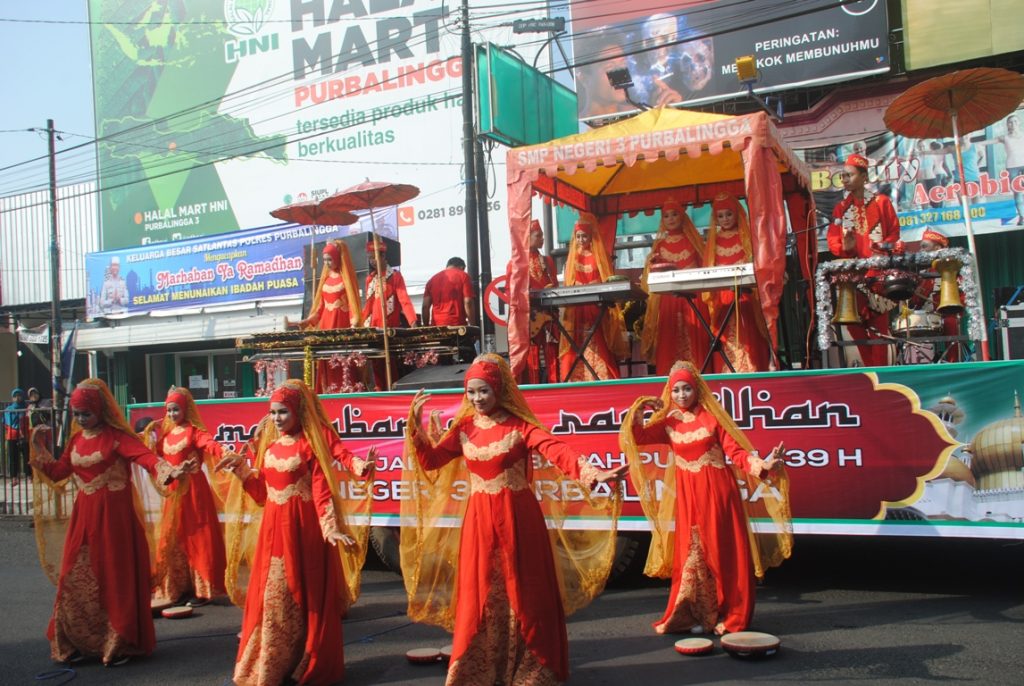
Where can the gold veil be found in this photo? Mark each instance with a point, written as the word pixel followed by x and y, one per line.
pixel 348 277
pixel 770 544
pixel 432 519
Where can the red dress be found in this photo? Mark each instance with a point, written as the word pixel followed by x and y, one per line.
pixel 873 220
pixel 743 339
pixel 543 351
pixel 291 625
pixel 712 571
pixel 509 620
pixel 191 547
pixel 333 313
pixel 103 596
pixel 679 334
pixel 577 320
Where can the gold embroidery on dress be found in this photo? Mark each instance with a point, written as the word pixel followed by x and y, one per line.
pixel 728 251
pixel 174 448
pixel 334 288
pixel 689 436
pixel 115 478
pixel 491 450
pixel 274 651
pixel 670 256
pixel 683 415
pixel 696 601
pixel 712 458
pixel 513 479
pixel 489 421
pixel 328 521
pixel 282 464
pixel 336 305
pixel 302 488
pixel 85 461
pixel 588 472
pixel 80 622
pixel 585 268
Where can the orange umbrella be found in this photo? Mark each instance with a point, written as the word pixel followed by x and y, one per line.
pixel 309 212
pixel 949 106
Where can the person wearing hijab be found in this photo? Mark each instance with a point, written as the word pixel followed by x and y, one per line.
pixel 190 560
pixel 16 433
pixel 701 534
pixel 335 306
pixel 493 580
pixel 297 590
pixel 745 340
pixel 586 263
pixel 103 591
pixel 544 335
pixel 671 328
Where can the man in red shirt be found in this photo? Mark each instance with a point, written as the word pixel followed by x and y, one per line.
pixel 864 224
pixel 448 298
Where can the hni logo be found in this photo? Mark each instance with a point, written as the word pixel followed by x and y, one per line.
pixel 246 18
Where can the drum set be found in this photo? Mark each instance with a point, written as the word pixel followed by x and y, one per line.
pixel 899 284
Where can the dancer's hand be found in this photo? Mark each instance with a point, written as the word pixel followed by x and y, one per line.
pixel 418 401
pixel 604 476
pixel 346 541
pixel 370 465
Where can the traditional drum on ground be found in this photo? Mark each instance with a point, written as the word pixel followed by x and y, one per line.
pixel 446 652
pixel 158 605
pixel 750 644
pixel 694 646
pixel 423 656
pixel 178 612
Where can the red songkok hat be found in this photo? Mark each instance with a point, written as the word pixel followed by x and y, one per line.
pixel 372 243
pixel 487 372
pixel 288 397
pixel 935 236
pixel 87 398
pixel 725 201
pixel 858 161
pixel 682 374
pixel 176 397
pixel 534 226
pixel 334 252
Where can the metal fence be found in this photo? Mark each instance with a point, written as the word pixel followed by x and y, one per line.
pixel 18 494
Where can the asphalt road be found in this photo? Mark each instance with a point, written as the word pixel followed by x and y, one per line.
pixel 851 610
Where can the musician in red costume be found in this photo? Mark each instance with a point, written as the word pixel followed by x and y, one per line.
pixel 335 306
pixel 701 531
pixel 190 560
pixel 297 591
pixel 543 351
pixel 588 263
pixel 864 224
pixel 926 296
pixel 103 593
pixel 399 307
pixel 671 330
pixel 745 339
pixel 509 602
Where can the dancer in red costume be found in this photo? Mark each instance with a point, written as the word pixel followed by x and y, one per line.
pixel 103 594
pixel 543 351
pixel 190 559
pixel 335 306
pixel 588 262
pixel 745 340
pixel 864 224
pixel 297 593
pixel 509 603
pixel 671 330
pixel 701 530
pixel 396 302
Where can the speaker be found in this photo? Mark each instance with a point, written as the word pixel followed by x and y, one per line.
pixel 361 260
pixel 433 376
pixel 1011 331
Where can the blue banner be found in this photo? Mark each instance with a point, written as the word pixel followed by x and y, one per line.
pixel 237 267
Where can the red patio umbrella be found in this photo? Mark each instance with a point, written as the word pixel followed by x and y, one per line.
pixel 309 212
pixel 370 195
pixel 949 106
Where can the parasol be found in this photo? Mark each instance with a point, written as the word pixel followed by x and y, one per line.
pixel 370 195
pixel 309 212
pixel 951 106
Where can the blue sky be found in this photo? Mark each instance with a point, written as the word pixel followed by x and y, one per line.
pixel 46 73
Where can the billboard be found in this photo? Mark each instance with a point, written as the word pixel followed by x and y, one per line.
pixel 921 177
pixel 211 113
pixel 948 31
pixel 901 450
pixel 688 56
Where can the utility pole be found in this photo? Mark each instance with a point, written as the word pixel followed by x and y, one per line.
pixel 469 157
pixel 489 344
pixel 55 327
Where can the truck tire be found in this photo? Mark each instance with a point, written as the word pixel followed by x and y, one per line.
pixel 384 540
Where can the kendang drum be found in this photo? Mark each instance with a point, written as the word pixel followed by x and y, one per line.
pixel 915 323
pixel 750 644
pixel 158 605
pixel 694 646
pixel 423 656
pixel 446 652
pixel 179 612
pixel 897 284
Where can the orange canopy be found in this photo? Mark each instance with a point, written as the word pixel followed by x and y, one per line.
pixel 634 165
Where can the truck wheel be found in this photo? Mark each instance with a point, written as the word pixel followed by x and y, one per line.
pixel 384 540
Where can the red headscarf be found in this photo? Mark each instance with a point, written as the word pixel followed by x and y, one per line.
pixel 684 375
pixel 332 251
pixel 936 237
pixel 726 201
pixel 179 399
pixel 289 397
pixel 87 398
pixel 858 161
pixel 487 372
